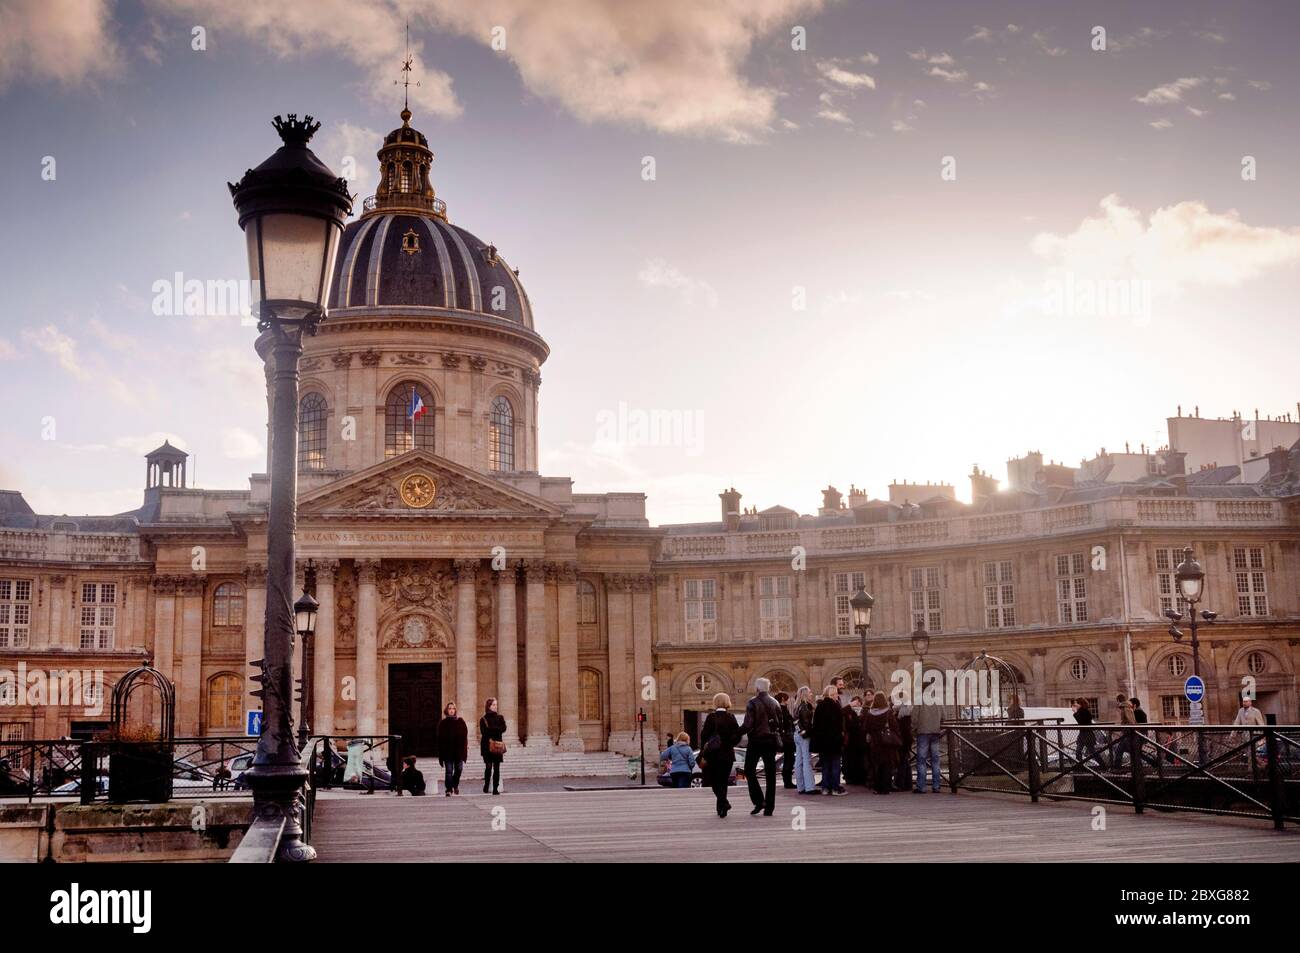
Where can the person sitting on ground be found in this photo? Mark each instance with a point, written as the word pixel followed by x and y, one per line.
pixel 412 777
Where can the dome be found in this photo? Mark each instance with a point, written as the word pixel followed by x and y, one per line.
pixel 403 253
pixel 399 259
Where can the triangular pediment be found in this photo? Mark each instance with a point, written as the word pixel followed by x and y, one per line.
pixel 422 483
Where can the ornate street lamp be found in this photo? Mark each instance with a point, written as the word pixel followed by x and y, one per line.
pixel 304 611
pixel 921 641
pixel 292 209
pixel 1189 578
pixel 862 604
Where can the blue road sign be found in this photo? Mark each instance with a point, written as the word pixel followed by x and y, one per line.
pixel 253 725
pixel 1194 688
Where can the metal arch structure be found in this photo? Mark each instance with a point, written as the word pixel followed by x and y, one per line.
pixel 145 676
pixel 995 684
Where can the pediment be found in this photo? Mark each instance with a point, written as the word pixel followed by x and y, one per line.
pixel 422 483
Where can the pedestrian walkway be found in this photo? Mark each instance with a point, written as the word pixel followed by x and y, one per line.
pixel 654 825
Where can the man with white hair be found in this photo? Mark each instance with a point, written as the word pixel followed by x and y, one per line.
pixel 763 727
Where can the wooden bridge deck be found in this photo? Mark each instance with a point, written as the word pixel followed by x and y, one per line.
pixel 659 825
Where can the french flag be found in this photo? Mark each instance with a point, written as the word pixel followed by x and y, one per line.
pixel 417 406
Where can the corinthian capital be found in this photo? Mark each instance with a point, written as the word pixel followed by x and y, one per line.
pixel 465 569
pixel 367 571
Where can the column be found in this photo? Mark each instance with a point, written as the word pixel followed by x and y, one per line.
pixel 58 618
pixel 508 652
pixel 467 698
pixel 537 654
pixel 164 625
pixel 367 646
pixel 254 627
pixel 619 600
pixel 189 687
pixel 642 662
pixel 324 687
pixel 570 736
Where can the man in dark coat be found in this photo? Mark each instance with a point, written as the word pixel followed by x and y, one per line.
pixel 828 739
pixel 787 737
pixel 853 764
pixel 763 725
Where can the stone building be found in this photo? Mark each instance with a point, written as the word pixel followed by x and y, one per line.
pixel 449 568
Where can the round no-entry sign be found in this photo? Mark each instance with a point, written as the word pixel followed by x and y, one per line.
pixel 1194 688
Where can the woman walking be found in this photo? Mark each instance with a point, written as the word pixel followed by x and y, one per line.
pixel 453 747
pixel 681 760
pixel 718 749
pixel 881 725
pixel 491 728
pixel 803 729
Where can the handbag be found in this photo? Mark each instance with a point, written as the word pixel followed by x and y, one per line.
pixel 496 747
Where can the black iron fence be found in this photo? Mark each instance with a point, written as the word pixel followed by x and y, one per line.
pixel 1217 769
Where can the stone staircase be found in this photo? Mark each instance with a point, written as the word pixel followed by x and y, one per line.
pixel 520 762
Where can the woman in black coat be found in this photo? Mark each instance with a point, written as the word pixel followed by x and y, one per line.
pixel 828 739
pixel 718 749
pixel 453 746
pixel 491 727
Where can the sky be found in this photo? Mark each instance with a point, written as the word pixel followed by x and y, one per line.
pixel 825 242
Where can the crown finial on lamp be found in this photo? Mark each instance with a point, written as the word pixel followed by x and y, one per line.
pixel 295 132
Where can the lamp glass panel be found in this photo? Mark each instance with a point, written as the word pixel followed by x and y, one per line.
pixel 293 249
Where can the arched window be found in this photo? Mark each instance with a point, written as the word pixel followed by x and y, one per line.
pixel 408 419
pixel 782 682
pixel 1177 666
pixel 586 603
pixel 228 604
pixel 501 435
pixel 225 701
pixel 589 695
pixel 312 412
pixel 1079 669
pixel 702 683
pixel 406 177
pixel 1256 664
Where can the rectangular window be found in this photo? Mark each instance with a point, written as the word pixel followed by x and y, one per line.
pixel 701 610
pixel 15 613
pixel 1167 561
pixel 774 608
pixel 98 615
pixel 1072 588
pixel 1175 708
pixel 1252 589
pixel 999 595
pixel 926 599
pixel 846 584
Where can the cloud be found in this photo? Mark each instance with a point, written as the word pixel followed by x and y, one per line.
pixel 1169 92
pixel 53 342
pixel 239 444
pixel 1259 84
pixel 949 76
pixel 871 59
pixel 1161 124
pixel 67 42
pixel 835 74
pixel 901 125
pixel 658 273
pixel 1183 244
pixel 1228 97
pixel 1144 36
pixel 367 33
pixel 1213 36
pixel 349 148
pixel 140 444
pixel 678 71
pixel 1040 38
pixel 1198 113
pixel 834 115
pixel 7 351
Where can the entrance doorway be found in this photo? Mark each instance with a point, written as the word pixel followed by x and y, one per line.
pixel 414 707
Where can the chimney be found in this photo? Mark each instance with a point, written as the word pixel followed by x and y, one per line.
pixel 982 485
pixel 1180 484
pixel 1058 474
pixel 1279 459
pixel 856 497
pixel 730 509
pixel 832 501
pixel 1175 462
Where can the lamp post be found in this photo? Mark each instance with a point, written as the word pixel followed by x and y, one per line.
pixel 1190 580
pixel 861 604
pixel 921 641
pixel 291 208
pixel 304 611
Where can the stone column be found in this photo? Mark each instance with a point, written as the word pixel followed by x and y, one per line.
pixel 189 689
pixel 58 619
pixel 567 579
pixel 324 680
pixel 367 646
pixel 164 625
pixel 254 627
pixel 537 655
pixel 467 697
pixel 618 590
pixel 643 662
pixel 507 652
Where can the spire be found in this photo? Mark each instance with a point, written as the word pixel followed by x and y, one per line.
pixel 406 79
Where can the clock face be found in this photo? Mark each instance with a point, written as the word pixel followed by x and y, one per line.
pixel 418 490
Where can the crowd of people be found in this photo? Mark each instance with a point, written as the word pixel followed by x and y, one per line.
pixel 856 740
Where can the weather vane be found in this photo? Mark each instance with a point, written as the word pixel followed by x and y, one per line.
pixel 406 72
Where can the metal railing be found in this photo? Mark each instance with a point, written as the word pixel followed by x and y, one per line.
pixel 356 766
pixel 1214 769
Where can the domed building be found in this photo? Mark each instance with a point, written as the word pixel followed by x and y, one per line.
pixel 448 568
